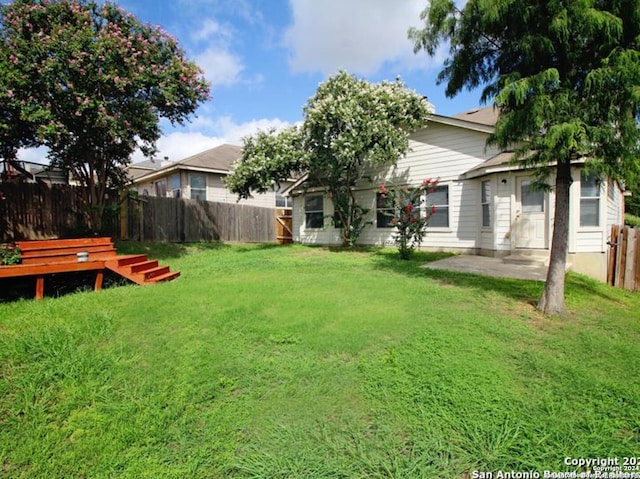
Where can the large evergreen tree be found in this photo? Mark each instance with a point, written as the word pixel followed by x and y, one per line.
pixel 565 77
pixel 350 125
pixel 90 82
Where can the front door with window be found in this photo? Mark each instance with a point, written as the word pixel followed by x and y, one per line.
pixel 531 215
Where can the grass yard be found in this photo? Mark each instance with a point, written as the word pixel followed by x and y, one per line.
pixel 300 362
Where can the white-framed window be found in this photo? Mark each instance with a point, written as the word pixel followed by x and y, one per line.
pixel 174 183
pixel 283 201
pixel 589 199
pixel 531 197
pixel 485 199
pixel 314 211
pixel 161 187
pixel 198 186
pixel 438 201
pixel 384 210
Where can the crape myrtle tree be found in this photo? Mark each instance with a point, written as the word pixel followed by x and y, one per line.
pixel 91 83
pixel 565 77
pixel 349 127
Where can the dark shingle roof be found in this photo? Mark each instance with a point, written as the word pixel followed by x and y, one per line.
pixel 483 116
pixel 219 158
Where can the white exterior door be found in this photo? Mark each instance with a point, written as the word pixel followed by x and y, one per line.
pixel 531 215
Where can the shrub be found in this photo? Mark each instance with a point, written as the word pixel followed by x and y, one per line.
pixel 632 220
pixel 407 216
pixel 9 254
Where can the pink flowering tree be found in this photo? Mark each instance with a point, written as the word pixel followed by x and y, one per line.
pixel 403 205
pixel 90 82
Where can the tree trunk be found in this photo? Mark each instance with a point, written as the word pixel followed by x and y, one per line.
pixel 552 299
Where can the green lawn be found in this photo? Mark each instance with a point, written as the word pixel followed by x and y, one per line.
pixel 300 362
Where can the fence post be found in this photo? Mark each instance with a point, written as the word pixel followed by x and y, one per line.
pixel 613 255
pixel 621 257
pixel 630 253
pixel 637 263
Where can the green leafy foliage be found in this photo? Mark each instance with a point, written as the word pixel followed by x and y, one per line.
pixel 564 76
pixel 406 215
pixel 9 254
pixel 90 82
pixel 267 158
pixel 349 125
pixel 632 220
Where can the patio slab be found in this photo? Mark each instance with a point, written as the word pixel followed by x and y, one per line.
pixel 489 267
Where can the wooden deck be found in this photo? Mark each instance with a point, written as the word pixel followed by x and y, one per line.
pixel 41 258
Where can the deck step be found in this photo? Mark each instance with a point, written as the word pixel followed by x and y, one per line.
pixel 165 277
pixel 129 259
pixel 153 272
pixel 143 266
pixel 45 257
pixel 140 269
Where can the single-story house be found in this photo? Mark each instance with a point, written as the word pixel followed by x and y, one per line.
pixel 199 177
pixel 483 204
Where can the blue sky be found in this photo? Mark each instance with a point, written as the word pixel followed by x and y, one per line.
pixel 265 58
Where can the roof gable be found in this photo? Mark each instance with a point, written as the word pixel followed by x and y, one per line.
pixel 215 160
pixel 220 158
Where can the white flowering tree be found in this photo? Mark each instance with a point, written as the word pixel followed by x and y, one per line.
pixel 350 126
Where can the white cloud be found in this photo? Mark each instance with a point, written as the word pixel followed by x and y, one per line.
pixel 355 35
pixel 221 67
pixel 34 155
pixel 211 28
pixel 180 145
pixel 234 132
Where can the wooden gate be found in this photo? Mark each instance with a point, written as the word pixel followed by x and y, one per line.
pixel 624 258
pixel 284 226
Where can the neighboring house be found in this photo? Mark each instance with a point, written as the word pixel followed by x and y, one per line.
pixel 199 177
pixel 18 171
pixel 484 204
pixel 136 170
pixel 52 176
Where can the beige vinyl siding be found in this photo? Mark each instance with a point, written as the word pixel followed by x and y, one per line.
pixel 614 204
pixel 218 193
pixel 444 152
pixel 586 238
pixel 216 190
pixel 440 152
pixel 301 234
pixel 146 188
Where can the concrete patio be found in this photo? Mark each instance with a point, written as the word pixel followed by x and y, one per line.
pixel 490 267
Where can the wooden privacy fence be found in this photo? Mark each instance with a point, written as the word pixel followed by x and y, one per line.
pixel 178 220
pixel 624 258
pixel 34 211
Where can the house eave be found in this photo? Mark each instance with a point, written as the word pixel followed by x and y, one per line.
pixel 477 173
pixel 469 125
pixel 157 174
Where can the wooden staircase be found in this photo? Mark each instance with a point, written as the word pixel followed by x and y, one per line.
pixel 139 269
pixel 45 257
